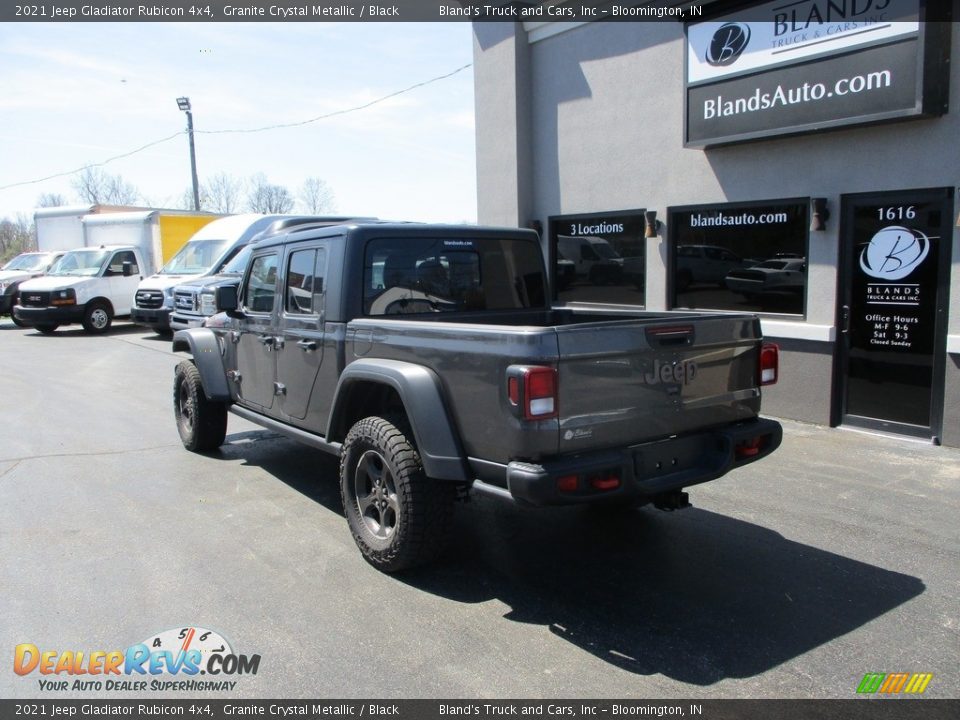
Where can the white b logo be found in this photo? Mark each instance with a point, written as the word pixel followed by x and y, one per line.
pixel 894 252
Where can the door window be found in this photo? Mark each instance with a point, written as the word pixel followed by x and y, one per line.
pixel 305 282
pixel 116 263
pixel 261 288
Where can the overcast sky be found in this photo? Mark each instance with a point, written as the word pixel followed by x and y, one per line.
pixel 79 93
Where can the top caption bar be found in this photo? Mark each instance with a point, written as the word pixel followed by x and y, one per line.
pixel 347 11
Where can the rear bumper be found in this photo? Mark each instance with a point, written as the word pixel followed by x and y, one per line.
pixel 49 315
pixel 157 319
pixel 645 470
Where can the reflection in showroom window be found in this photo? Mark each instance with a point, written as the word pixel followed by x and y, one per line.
pixel 743 257
pixel 599 258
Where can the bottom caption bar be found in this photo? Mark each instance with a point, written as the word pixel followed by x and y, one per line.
pixel 854 709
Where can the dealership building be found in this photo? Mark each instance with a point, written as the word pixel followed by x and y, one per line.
pixel 799 160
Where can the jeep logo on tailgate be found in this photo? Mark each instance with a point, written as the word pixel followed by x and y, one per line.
pixel 681 373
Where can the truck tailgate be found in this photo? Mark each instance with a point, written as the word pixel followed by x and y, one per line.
pixel 631 381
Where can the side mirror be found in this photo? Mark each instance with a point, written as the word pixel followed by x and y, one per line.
pixel 225 299
pixel 130 269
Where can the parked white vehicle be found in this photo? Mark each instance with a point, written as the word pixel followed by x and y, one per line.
pixel 706 265
pixel 776 276
pixel 90 285
pixel 23 267
pixel 593 257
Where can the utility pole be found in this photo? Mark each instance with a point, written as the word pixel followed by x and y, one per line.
pixel 184 104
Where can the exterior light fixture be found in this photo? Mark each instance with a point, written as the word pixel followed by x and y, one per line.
pixel 820 214
pixel 652 224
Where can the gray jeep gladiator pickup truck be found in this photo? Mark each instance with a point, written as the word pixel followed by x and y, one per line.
pixel 430 361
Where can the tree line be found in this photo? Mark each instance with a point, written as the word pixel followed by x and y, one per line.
pixel 220 193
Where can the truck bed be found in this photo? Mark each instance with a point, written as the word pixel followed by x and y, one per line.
pixel 625 377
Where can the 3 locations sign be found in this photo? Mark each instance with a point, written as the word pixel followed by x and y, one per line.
pixel 791 67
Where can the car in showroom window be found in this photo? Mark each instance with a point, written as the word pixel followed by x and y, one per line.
pixel 740 256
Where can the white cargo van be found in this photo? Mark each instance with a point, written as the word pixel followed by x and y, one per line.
pixel 594 258
pixel 90 285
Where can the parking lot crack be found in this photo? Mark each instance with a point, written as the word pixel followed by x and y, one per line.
pixel 161 350
pixel 99 453
pixel 9 469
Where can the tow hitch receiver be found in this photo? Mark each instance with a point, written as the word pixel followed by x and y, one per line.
pixel 670 501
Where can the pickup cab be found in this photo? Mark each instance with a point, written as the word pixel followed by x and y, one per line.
pixel 430 361
pixel 91 285
pixel 193 298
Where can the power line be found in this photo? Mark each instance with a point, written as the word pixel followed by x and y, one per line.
pixel 341 112
pixel 335 113
pixel 93 165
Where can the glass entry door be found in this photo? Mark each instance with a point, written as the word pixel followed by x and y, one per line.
pixel 894 275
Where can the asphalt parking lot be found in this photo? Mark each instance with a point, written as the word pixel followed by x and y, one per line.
pixel 837 556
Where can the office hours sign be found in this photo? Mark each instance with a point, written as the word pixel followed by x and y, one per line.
pixel 895 276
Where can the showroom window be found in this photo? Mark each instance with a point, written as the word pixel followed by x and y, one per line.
pixel 740 256
pixel 599 257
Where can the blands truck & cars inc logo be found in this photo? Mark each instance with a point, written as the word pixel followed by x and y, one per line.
pixel 172 660
pixel 894 253
pixel 780 67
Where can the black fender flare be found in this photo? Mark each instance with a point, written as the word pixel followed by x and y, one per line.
pixel 421 393
pixel 202 344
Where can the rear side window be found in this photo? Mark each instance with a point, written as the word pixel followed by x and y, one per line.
pixel 405 276
pixel 304 286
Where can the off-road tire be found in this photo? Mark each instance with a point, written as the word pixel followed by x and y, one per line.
pixel 202 423
pixel 399 517
pixel 97 318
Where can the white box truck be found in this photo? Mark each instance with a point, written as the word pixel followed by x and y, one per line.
pixel 61 228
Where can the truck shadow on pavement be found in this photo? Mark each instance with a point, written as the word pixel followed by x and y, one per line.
pixel 693 595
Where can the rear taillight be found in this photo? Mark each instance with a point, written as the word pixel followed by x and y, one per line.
pixel 769 369
pixel 532 391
